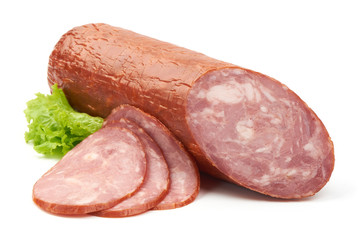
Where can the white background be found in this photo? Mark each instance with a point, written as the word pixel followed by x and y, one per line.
pixel 311 46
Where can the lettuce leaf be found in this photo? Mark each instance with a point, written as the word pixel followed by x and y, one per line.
pixel 54 127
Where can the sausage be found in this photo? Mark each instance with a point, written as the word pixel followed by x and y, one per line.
pixel 184 175
pixel 156 182
pixel 101 171
pixel 240 125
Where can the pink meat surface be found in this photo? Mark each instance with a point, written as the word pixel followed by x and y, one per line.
pixel 156 182
pixel 260 134
pixel 184 175
pixel 105 168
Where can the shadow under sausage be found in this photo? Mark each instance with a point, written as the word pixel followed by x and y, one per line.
pixel 211 185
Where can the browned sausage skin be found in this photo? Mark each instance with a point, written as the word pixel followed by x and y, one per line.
pixel 240 125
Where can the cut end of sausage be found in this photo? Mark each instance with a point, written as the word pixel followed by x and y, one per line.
pixel 105 168
pixel 259 133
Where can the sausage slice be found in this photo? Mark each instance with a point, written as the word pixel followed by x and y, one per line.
pixel 101 171
pixel 156 183
pixel 184 175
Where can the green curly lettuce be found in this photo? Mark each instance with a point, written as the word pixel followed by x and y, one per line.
pixel 54 127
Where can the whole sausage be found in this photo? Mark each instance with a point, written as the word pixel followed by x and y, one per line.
pixel 240 125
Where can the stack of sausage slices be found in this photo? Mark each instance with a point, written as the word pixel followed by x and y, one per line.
pixel 129 166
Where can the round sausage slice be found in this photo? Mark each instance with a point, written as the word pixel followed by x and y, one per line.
pixel 102 170
pixel 184 175
pixel 156 182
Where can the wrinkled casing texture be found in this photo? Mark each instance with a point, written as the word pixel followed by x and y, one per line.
pixel 100 67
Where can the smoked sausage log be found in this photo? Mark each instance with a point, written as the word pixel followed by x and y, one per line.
pixel 240 125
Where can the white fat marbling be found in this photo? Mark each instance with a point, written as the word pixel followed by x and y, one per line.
pixel 98 139
pixel 207 112
pixel 201 94
pixel 212 78
pixel 245 130
pixel 229 93
pixel 210 114
pixel 152 153
pixel 267 94
pixel 264 180
pixel 225 73
pixel 250 92
pixel 131 136
pixel 263 109
pixel 238 71
pixel 265 149
pixel 91 156
pixel 285 87
pixel 306 173
pixel 275 172
pixel 276 121
pixel 73 180
pixel 257 95
pixel 312 150
pixel 286 102
pixel 88 199
pixel 309 147
pixel 292 172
